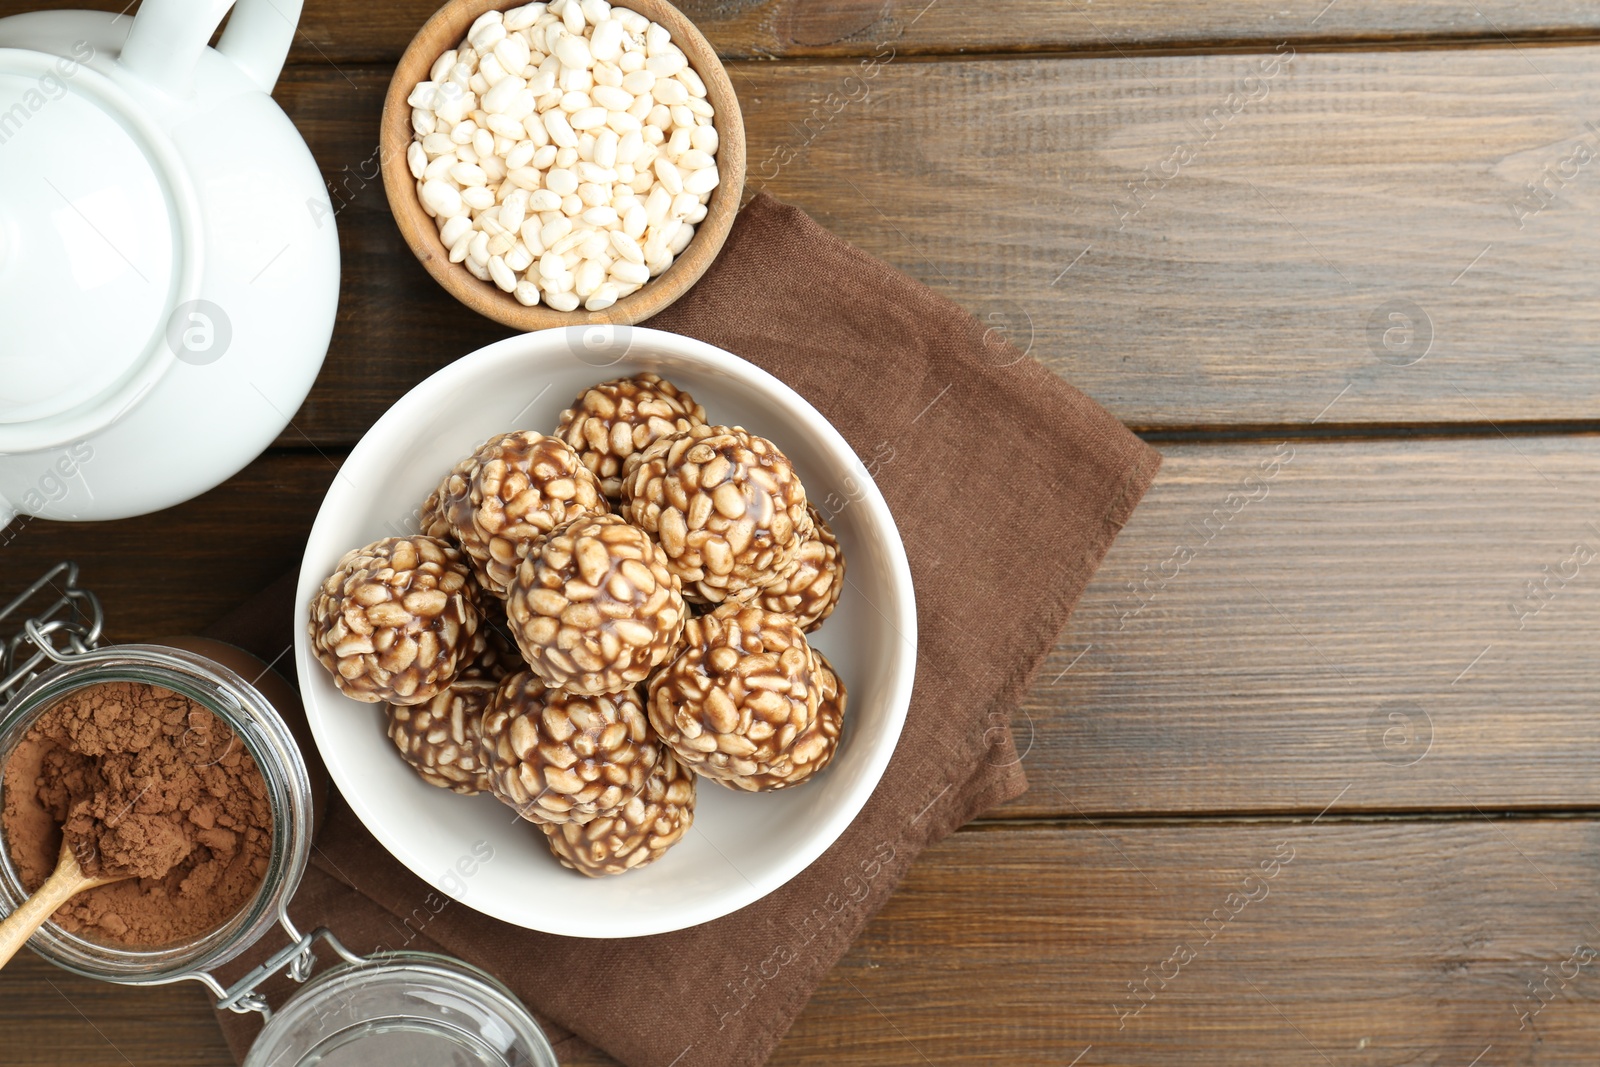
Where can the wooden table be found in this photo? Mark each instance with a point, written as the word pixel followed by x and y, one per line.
pixel 1312 766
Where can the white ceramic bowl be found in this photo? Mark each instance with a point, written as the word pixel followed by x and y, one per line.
pixel 742 846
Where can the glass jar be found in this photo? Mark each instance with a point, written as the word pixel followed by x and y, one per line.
pixel 387 1010
pixel 264 734
pixel 407 1009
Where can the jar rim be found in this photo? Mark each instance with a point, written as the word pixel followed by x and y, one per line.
pixel 265 735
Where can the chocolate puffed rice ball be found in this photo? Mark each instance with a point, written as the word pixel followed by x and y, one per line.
pixel 814 748
pixel 559 757
pixel 396 620
pixel 725 506
pixel 738 698
pixel 639 834
pixel 506 497
pixel 808 589
pixel 442 739
pixel 614 420
pixel 594 608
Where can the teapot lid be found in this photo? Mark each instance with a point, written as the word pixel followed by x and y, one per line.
pixel 99 247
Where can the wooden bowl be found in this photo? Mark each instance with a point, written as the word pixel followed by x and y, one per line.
pixel 444 31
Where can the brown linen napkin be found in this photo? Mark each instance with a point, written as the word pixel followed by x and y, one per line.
pixel 1008 486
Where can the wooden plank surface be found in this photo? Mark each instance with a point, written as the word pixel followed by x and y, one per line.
pixel 1243 291
pixel 1239 287
pixel 338 32
pixel 1390 942
pixel 179 570
pixel 1353 620
pixel 1352 615
pixel 1383 943
pixel 50 1018
pixel 1307 617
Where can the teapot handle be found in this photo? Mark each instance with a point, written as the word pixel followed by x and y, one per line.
pixel 168 37
pixel 258 37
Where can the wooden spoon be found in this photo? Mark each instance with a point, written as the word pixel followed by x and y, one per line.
pixel 66 882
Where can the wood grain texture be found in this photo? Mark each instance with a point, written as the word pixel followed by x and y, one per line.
pixel 1280 207
pixel 1376 944
pixel 50 1018
pixel 1287 623
pixel 342 31
pixel 1243 291
pixel 1380 943
pixel 179 570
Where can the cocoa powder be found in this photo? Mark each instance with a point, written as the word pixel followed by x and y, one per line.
pixel 146 782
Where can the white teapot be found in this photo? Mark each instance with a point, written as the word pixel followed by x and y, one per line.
pixel 169 266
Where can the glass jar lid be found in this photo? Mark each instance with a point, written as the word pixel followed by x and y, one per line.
pixel 405 1009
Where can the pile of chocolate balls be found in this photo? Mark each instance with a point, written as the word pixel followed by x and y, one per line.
pixel 591 621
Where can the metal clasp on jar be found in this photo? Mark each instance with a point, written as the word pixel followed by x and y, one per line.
pixel 75 614
pixel 296 959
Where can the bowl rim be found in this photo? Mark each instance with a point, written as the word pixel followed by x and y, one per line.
pixel 449 24
pixel 901 616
